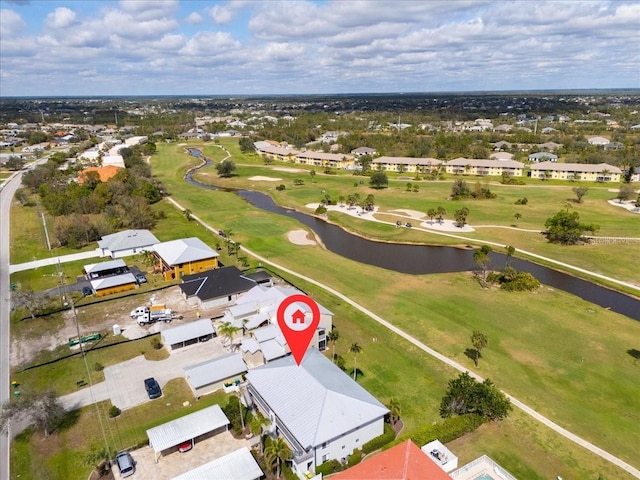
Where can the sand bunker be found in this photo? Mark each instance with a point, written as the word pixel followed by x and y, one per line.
pixel 265 179
pixel 289 170
pixel 300 237
pixel 628 205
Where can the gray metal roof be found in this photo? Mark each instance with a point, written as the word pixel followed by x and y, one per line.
pixel 316 401
pixel 103 266
pixel 115 281
pixel 127 239
pixel 238 465
pixel 186 428
pixel 211 371
pixel 188 331
pixel 184 250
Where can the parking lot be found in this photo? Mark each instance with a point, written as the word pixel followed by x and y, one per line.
pixel 173 463
pixel 125 381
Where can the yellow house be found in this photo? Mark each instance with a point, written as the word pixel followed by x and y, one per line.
pixel 475 166
pixel 109 285
pixel 588 172
pixel 406 164
pixel 185 257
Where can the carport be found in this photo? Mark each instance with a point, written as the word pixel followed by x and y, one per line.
pixel 209 376
pixel 188 334
pixel 239 465
pixel 171 434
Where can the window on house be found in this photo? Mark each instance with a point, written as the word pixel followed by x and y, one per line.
pixel 325 457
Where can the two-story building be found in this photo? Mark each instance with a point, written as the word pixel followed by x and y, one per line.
pixel 185 256
pixel 406 164
pixel 321 412
pixel 588 172
pixel 482 167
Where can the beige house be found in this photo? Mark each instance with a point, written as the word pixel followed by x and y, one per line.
pixel 601 172
pixel 474 166
pixel 406 164
pixel 322 159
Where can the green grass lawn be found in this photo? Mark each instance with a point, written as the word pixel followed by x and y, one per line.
pixel 563 356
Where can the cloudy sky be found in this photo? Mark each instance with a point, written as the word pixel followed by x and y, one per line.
pixel 170 47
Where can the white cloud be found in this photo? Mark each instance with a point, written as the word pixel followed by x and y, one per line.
pixel 149 9
pixel 11 24
pixel 61 17
pixel 126 26
pixel 221 15
pixel 194 18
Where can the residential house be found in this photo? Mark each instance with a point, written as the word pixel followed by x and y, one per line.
pixel 279 153
pixel 406 164
pixel 501 156
pixel 126 243
pixel 614 146
pixel 214 288
pixel 238 465
pixel 186 256
pixel 360 151
pixel 319 410
pixel 188 334
pixel 598 141
pixel 549 146
pixel 114 284
pixel 602 172
pixel 404 461
pixel 105 269
pixel 542 157
pixel 484 167
pixel 258 308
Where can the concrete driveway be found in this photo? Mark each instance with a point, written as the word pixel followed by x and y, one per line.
pixel 125 381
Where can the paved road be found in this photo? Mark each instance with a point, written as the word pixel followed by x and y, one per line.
pixel 6 196
pixel 19 267
pixel 528 410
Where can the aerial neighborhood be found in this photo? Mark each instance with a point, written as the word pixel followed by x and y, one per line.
pixel 459 270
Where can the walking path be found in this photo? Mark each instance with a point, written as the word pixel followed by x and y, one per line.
pixel 19 267
pixel 528 410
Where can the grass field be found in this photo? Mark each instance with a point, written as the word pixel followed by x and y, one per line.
pixel 564 357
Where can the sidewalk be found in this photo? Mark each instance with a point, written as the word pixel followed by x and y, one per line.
pixel 19 267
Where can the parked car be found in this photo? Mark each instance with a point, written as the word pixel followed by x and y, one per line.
pixel 126 464
pixel 140 278
pixel 153 388
pixel 185 446
pixel 86 291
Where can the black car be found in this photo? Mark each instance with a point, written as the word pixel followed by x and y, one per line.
pixel 153 388
pixel 140 278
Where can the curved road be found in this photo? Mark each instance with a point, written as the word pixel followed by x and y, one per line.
pixel 528 410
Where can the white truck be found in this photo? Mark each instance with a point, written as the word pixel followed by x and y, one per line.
pixel 154 313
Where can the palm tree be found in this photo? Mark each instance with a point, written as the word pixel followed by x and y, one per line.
pixel 441 213
pixel 479 341
pixel 355 349
pixel 275 453
pixel 228 329
pixel 517 216
pixel 510 251
pixel 332 337
pixel 431 213
pixel 394 410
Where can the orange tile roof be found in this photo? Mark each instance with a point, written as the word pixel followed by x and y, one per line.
pixel 105 172
pixel 402 462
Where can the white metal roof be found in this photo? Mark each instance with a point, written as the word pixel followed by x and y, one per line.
pixel 316 401
pixel 272 349
pixel 186 428
pixel 184 250
pixel 114 281
pixel 127 239
pixel 238 465
pixel 249 345
pixel 102 266
pixel 188 331
pixel 214 370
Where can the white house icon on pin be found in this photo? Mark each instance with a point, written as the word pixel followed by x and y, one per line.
pixel 298 317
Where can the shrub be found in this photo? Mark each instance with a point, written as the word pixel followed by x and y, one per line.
pixel 522 201
pixel 448 429
pixel 380 441
pixel 156 343
pixel 98 367
pixel 298 181
pixel 329 467
pixel 114 411
pixel 280 187
pixel 355 458
pixel 321 210
pixel 523 281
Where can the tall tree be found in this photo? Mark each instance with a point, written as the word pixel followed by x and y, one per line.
pixel 482 261
pixel 277 452
pixel 461 216
pixel 394 410
pixel 441 213
pixel 565 228
pixel 379 180
pixel 510 251
pixel 355 349
pixel 43 409
pixel 431 213
pixel 465 395
pixel 479 340
pixel 226 168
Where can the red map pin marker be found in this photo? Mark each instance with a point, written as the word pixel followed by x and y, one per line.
pixel 296 326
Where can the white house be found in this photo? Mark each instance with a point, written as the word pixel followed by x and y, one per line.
pixel 127 242
pixel 321 412
pixel 599 141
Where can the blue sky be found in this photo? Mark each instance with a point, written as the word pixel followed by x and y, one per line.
pixel 156 47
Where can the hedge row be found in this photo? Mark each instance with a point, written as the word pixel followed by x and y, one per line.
pixel 372 445
pixel 447 430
